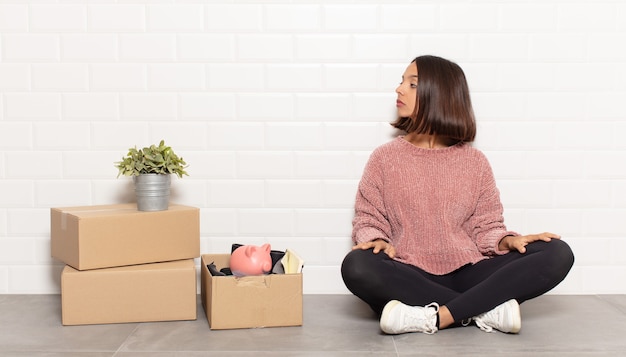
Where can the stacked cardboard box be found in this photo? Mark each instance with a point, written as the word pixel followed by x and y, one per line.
pixel 125 265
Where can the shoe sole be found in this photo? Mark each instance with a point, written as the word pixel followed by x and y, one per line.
pixel 385 316
pixel 515 316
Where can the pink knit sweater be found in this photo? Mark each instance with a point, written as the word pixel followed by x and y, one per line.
pixel 439 208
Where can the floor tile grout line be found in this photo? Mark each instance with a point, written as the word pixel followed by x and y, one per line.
pixel 610 303
pixel 395 347
pixel 125 340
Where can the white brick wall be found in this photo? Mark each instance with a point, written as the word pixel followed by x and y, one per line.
pixel 276 105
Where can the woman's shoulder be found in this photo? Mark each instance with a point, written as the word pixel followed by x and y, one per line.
pixel 475 152
pixel 471 150
pixel 475 158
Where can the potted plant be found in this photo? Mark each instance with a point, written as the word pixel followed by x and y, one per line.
pixel 150 169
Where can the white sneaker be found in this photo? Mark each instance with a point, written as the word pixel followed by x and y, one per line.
pixel 400 318
pixel 505 317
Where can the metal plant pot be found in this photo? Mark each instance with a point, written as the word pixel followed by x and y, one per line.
pixel 152 191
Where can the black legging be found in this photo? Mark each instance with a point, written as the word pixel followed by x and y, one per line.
pixel 467 291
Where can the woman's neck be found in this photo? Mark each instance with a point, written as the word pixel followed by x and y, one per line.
pixel 427 141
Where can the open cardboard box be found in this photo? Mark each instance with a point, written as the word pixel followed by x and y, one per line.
pixel 105 236
pixel 251 301
pixel 137 293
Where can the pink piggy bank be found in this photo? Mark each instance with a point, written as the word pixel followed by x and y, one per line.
pixel 251 260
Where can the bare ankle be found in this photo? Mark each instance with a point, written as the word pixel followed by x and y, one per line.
pixel 445 317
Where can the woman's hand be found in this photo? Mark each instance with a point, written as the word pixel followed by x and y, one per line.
pixel 377 245
pixel 519 243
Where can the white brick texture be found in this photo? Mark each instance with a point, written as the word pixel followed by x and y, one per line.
pixel 276 106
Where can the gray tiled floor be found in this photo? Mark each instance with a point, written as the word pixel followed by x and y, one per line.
pixel 334 325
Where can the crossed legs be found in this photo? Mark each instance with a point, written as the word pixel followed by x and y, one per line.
pixel 464 293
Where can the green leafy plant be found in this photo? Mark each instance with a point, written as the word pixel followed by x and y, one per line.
pixel 151 160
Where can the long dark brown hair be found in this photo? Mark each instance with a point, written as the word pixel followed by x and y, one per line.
pixel 443 106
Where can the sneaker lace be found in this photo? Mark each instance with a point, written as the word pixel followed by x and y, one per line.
pixel 483 321
pixel 429 319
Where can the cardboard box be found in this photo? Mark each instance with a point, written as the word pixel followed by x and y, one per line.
pixel 251 301
pixel 138 293
pixel 93 237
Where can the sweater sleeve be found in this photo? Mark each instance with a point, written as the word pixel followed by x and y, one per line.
pixel 486 225
pixel 370 220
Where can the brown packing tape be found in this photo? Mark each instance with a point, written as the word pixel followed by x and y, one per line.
pixel 253 281
pixel 77 210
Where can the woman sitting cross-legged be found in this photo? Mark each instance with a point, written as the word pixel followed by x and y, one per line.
pixel 431 250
